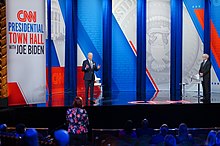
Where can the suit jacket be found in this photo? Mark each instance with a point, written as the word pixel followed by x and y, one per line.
pixel 89 72
pixel 205 69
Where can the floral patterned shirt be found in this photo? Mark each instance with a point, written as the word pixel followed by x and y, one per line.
pixel 78 120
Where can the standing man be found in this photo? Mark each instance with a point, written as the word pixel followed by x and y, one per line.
pixel 89 67
pixel 204 73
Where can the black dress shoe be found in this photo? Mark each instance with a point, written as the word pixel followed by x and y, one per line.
pixel 92 102
pixel 202 100
pixel 205 101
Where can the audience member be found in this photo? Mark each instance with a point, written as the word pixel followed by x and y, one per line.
pixel 211 138
pixel 159 138
pixel 183 137
pixel 144 133
pixel 20 130
pixel 61 137
pixel 127 136
pixel 169 140
pixel 31 138
pixel 77 119
pixel 128 130
pixel 144 130
pixel 3 128
pixel 218 139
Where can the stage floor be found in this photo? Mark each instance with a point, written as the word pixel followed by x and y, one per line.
pixel 162 97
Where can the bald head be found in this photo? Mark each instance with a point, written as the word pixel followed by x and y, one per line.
pixel 205 57
pixel 90 55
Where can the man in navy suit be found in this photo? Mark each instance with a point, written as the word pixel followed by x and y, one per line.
pixel 204 72
pixel 89 67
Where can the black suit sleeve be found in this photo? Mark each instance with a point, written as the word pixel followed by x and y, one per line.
pixel 200 69
pixel 84 66
pixel 95 67
pixel 207 68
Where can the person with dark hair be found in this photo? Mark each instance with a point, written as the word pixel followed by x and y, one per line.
pixel 144 130
pixel 183 137
pixel 169 140
pixel 127 136
pixel 159 138
pixel 128 130
pixel 20 130
pixel 144 133
pixel 77 119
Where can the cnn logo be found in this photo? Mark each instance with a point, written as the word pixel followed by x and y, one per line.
pixel 24 16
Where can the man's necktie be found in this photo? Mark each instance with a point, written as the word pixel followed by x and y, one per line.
pixel 203 64
pixel 91 64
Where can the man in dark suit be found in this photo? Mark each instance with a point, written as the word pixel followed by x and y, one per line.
pixel 89 67
pixel 204 73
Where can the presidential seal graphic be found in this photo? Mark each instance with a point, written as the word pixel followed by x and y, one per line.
pixel 158 38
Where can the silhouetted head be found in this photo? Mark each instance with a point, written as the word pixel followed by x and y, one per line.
pixel 218 137
pixel 164 129
pixel 128 127
pixel 90 55
pixel 62 137
pixel 3 128
pixel 144 123
pixel 170 140
pixel 31 138
pixel 77 103
pixel 20 128
pixel 211 138
pixel 183 131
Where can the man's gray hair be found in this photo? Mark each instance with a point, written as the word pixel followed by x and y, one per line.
pixel 206 55
pixel 90 53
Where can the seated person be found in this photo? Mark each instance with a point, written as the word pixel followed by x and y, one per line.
pixel 144 133
pixel 3 128
pixel 61 137
pixel 30 138
pixel 20 130
pixel 217 139
pixel 127 136
pixel 169 140
pixel 159 138
pixel 128 131
pixel 183 137
pixel 211 138
pixel 144 130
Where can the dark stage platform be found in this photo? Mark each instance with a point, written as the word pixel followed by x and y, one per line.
pixel 114 117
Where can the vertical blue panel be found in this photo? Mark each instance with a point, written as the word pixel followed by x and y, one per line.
pixel 141 49
pixel 207 27
pixel 70 52
pixel 176 49
pixel 107 47
pixel 49 54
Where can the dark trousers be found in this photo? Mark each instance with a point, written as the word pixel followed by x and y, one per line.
pixel 78 139
pixel 89 84
pixel 206 91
